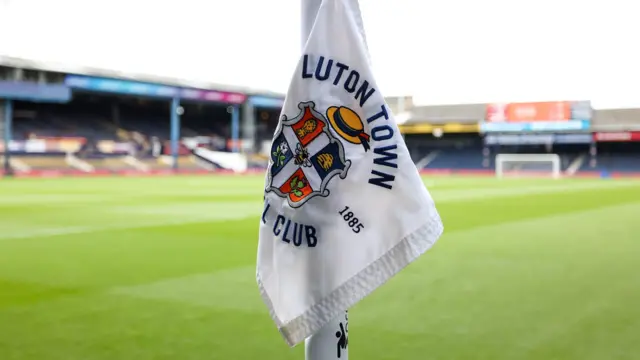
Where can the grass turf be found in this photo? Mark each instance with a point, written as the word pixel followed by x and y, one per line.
pixel 163 268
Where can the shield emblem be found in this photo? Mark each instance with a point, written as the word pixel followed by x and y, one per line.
pixel 305 156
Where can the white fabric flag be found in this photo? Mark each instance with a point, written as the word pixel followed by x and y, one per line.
pixel 345 208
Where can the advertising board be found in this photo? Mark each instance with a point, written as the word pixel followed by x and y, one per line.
pixel 152 90
pixel 537 139
pixel 623 136
pixel 537 116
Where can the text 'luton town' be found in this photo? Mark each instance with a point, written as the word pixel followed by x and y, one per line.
pixel 340 75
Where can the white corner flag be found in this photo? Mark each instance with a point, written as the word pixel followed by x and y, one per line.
pixel 344 208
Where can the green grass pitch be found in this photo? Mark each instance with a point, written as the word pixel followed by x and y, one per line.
pixel 163 269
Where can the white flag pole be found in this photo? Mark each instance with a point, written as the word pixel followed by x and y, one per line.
pixel 309 12
pixel 330 342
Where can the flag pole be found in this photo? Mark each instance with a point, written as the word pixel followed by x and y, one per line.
pixel 330 342
pixel 309 11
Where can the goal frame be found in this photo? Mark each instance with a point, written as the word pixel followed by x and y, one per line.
pixel 554 159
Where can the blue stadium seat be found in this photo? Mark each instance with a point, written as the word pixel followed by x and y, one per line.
pixel 468 159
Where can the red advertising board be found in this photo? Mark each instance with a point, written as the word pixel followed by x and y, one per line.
pixel 529 112
pixel 623 136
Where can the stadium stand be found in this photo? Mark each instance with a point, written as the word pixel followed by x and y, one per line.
pixel 617 157
pixel 467 159
pixel 441 114
pixel 107 131
pixel 108 163
pixel 616 118
pixel 188 162
pixel 44 162
pixel 439 138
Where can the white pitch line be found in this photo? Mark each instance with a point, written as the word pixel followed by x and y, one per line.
pixel 462 194
pixel 74 199
pixel 220 289
pixel 75 230
pixel 442 196
pixel 56 199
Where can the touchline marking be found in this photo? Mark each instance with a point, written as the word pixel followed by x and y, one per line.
pixel 442 196
pixel 463 195
pixel 74 230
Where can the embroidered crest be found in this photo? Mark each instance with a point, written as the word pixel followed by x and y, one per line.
pixel 305 157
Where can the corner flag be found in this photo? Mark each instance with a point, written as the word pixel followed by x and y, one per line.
pixel 344 206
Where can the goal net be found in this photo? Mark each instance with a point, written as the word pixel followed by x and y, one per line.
pixel 528 165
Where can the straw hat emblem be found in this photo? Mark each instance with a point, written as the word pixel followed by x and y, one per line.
pixel 348 125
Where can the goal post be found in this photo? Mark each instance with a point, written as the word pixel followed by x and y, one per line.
pixel 528 165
